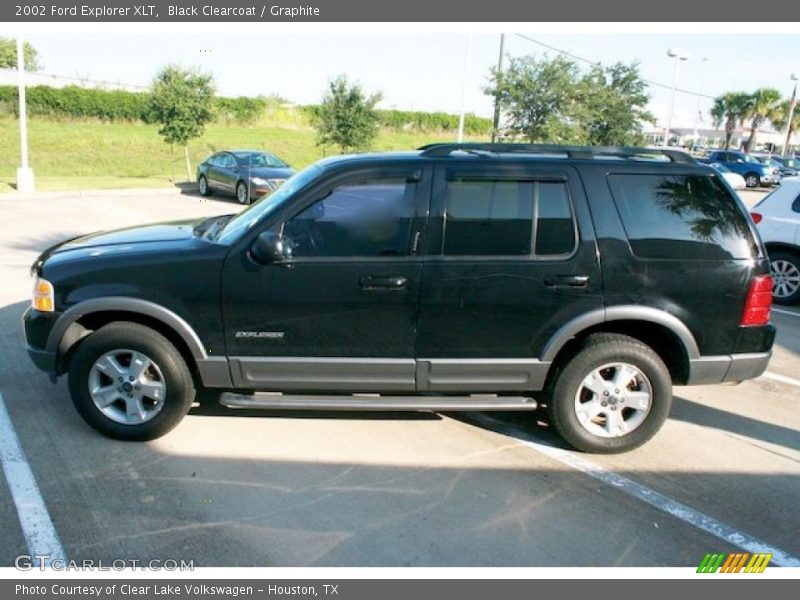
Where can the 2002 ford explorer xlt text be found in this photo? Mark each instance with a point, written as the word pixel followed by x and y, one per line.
pixel 457 277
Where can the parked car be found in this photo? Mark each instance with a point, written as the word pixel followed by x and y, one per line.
pixel 457 277
pixel 777 218
pixel 734 180
pixel 789 161
pixel 245 174
pixel 772 162
pixel 754 172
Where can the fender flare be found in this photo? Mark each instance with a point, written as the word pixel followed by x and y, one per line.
pixel 131 305
pixel 619 313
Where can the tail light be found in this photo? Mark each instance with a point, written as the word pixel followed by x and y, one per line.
pixel 757 217
pixel 758 303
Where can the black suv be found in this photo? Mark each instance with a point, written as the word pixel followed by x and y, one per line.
pixel 457 277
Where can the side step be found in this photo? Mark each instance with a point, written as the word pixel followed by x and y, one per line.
pixel 365 402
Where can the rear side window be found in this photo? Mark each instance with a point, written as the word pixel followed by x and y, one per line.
pixel 796 205
pixel 681 217
pixel 508 218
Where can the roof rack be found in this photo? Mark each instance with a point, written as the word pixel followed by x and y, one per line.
pixel 439 150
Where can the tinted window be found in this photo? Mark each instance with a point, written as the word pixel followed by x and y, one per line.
pixel 796 205
pixel 555 229
pixel 371 218
pixel 495 218
pixel 681 217
pixel 228 161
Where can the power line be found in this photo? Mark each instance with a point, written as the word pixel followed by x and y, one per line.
pixel 595 63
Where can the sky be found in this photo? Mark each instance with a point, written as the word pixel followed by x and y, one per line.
pixel 424 71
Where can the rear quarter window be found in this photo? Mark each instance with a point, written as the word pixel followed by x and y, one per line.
pixel 681 217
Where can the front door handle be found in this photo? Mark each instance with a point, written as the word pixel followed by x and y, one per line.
pixel 566 281
pixel 372 282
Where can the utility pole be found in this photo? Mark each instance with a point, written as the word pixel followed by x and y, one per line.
pixel 464 90
pixel 25 182
pixel 679 55
pixel 496 120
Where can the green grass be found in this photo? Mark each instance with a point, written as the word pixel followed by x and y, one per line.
pixel 92 155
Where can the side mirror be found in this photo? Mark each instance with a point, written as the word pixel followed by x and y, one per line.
pixel 270 248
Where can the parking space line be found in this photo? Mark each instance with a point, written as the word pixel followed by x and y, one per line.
pixel 783 311
pixel 781 378
pixel 655 499
pixel 37 526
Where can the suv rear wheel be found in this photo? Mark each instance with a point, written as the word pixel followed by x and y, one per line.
pixel 785 271
pixel 612 396
pixel 130 383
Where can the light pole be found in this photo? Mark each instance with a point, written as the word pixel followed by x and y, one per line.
pixel 703 61
pixel 25 182
pixel 792 104
pixel 678 54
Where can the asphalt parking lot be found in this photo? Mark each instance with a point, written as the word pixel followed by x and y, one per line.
pixel 334 489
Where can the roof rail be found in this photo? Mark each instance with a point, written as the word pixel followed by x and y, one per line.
pixel 439 150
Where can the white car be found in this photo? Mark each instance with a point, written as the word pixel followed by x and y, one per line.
pixel 734 180
pixel 777 218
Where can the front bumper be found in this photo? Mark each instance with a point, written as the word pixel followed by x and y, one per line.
pixel 37 326
pixel 727 368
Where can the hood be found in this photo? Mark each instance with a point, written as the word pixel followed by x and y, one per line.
pixel 157 232
pixel 270 172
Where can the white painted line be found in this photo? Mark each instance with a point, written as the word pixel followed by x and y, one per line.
pixel 781 378
pixel 37 527
pixel 660 501
pixel 783 311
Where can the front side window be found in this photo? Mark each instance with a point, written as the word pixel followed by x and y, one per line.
pixel 362 219
pixel 681 217
pixel 507 218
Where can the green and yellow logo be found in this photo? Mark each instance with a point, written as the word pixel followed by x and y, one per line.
pixel 734 563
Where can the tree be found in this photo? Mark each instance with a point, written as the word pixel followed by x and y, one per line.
pixel 730 109
pixel 8 55
pixel 347 118
pixel 539 99
pixel 181 101
pixel 550 100
pixel 781 117
pixel 616 100
pixel 761 107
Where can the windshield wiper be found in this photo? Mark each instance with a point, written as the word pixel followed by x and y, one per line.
pixel 208 228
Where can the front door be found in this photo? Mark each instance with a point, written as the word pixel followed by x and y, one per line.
pixel 511 257
pixel 341 313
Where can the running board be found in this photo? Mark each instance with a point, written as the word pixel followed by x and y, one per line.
pixel 481 402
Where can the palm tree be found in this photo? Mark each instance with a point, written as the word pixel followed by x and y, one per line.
pixel 762 107
pixel 781 116
pixel 730 108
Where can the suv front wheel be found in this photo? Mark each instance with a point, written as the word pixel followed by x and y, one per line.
pixel 612 396
pixel 130 382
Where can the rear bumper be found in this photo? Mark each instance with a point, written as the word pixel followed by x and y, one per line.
pixel 727 368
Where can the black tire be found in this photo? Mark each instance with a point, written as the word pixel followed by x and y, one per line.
pixel 785 260
pixel 180 391
pixel 752 180
pixel 598 350
pixel 242 193
pixel 202 186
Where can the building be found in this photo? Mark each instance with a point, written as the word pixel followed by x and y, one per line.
pixel 768 138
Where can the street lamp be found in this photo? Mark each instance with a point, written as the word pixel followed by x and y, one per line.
pixel 24 172
pixel 678 54
pixel 792 104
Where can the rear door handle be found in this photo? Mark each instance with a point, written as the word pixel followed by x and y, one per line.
pixel 566 281
pixel 372 282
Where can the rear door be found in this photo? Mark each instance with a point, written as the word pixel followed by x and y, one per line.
pixel 511 257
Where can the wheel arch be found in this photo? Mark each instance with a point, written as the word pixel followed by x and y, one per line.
pixel 83 318
pixel 669 337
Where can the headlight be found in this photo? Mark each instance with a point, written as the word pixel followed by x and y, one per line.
pixel 43 299
pixel 259 180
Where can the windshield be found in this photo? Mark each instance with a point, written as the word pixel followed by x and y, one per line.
pixel 259 159
pixel 790 162
pixel 246 219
